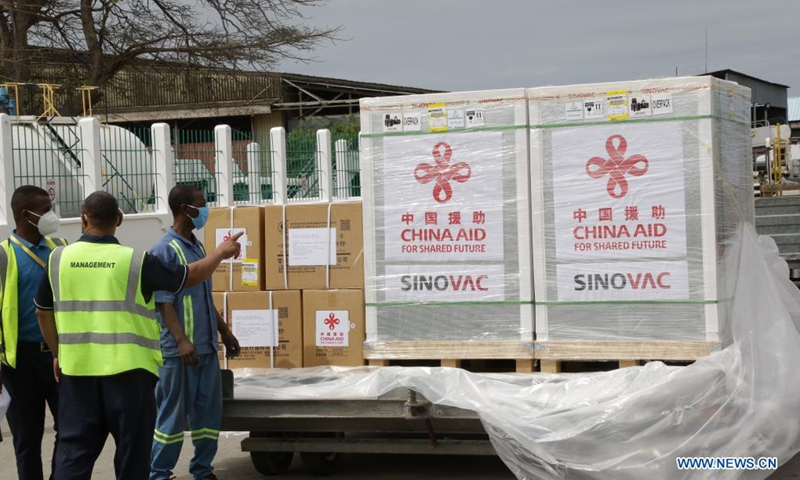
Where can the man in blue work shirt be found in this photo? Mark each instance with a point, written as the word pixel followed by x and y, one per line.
pixel 27 364
pixel 191 383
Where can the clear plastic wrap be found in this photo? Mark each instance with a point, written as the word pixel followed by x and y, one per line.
pixel 637 188
pixel 631 423
pixel 447 226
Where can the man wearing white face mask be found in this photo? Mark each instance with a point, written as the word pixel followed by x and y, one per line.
pixel 27 364
pixel 191 382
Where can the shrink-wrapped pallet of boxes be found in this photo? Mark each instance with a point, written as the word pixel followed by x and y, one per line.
pixel 636 189
pixel 447 226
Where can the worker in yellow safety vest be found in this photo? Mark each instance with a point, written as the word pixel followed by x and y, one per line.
pixel 97 313
pixel 26 370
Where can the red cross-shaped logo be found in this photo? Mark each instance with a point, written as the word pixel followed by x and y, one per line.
pixel 331 321
pixel 617 166
pixel 442 172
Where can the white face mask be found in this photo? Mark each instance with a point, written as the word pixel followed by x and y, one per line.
pixel 48 223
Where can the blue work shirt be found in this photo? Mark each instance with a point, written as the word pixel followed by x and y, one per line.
pixel 30 274
pixel 194 305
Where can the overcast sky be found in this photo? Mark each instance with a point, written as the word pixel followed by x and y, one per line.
pixel 488 44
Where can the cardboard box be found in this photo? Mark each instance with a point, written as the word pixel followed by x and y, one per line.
pixel 218 228
pixel 333 327
pixel 307 246
pixel 287 305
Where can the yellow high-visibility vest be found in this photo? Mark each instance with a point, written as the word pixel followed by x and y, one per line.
pixel 105 326
pixel 9 298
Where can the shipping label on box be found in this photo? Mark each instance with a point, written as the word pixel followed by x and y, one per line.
pixel 443 197
pixel 247 269
pixel 333 327
pixel 257 327
pixel 313 247
pixel 619 195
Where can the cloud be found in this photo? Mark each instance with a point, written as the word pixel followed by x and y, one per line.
pixel 480 44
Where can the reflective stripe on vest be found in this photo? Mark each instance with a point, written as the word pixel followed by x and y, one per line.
pixel 107 327
pixel 107 339
pixel 188 305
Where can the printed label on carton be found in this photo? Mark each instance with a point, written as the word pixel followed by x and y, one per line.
pixel 250 272
pixel 312 246
pixel 662 104
pixel 475 117
pixel 618 194
pixel 255 328
pixel 573 111
pixel 333 328
pixel 455 119
pixel 445 198
pixel 628 281
pixel 594 109
pixel 392 122
pixel 223 234
pixel 412 122
pixel 617 105
pixel 641 106
pixel 437 117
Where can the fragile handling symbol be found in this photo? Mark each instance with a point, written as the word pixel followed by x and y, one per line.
pixel 617 166
pixel 331 321
pixel 442 172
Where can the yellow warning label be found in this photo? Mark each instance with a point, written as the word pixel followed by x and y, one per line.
pixel 437 117
pixel 250 272
pixel 617 105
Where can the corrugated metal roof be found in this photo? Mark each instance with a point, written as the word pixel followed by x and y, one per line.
pixel 794 108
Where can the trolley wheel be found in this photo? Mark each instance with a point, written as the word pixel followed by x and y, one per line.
pixel 271 463
pixel 321 463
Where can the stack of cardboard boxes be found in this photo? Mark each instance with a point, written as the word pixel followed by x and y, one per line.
pixel 306 315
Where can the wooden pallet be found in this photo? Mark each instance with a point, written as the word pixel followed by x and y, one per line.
pixel 526 365
pixel 475 356
pixel 553 356
pixel 542 356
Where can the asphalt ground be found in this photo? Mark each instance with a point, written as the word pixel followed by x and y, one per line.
pixel 233 464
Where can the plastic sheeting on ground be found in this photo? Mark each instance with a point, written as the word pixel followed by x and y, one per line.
pixel 632 423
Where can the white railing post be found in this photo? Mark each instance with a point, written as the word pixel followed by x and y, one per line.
pixel 164 163
pixel 254 172
pixel 7 160
pixel 92 158
pixel 342 174
pixel 324 165
pixel 223 145
pixel 277 138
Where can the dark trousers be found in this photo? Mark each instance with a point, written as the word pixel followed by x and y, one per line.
pixel 123 405
pixel 32 387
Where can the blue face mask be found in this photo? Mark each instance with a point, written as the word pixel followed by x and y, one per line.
pixel 202 217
